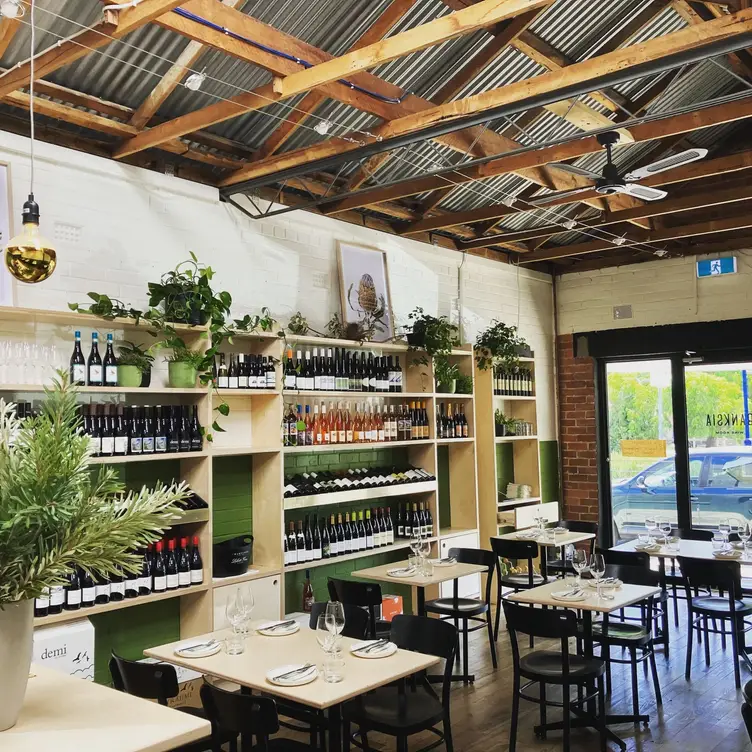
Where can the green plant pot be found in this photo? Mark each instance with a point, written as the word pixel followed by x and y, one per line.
pixel 182 375
pixel 447 388
pixel 129 376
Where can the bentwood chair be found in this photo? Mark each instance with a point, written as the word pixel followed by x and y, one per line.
pixel 234 714
pixel 463 611
pixel 400 711
pixel 723 577
pixel 158 681
pixel 559 668
pixel 364 594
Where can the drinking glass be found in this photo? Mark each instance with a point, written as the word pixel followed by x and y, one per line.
pixel 724 528
pixel 234 644
pixel 334 666
pixel 579 563
pixel 719 541
pixel 19 358
pixel 651 525
pixel 335 617
pixel 598 569
pixel 745 533
pixel 324 637
pixel 235 611
pixel 666 529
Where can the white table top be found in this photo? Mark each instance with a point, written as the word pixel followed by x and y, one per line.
pixel 440 574
pixel 67 714
pixel 562 539
pixel 690 548
pixel 263 654
pixel 626 595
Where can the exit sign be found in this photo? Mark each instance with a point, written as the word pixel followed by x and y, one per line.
pixel 716 267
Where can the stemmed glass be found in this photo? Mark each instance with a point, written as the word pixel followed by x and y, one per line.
pixel 324 636
pixel 598 570
pixel 579 563
pixel 666 529
pixel 424 552
pixel 416 543
pixel 235 611
pixel 724 528
pixel 651 524
pixel 745 533
pixel 335 618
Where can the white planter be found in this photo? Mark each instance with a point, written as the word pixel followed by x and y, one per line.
pixel 16 636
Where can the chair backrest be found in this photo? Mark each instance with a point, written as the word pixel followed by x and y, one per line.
pixel 240 714
pixel 152 681
pixel 693 533
pixel 627 558
pixel 480 556
pixel 356 620
pixel 707 574
pixel 579 526
pixel 632 567
pixel 747 716
pixel 505 548
pixel 354 593
pixel 430 636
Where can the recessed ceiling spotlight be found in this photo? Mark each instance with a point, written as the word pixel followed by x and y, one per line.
pixel 195 81
pixel 11 8
pixel 322 127
pixel 570 224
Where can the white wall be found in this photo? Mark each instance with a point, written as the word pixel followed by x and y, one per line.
pixel 117 227
pixel 660 292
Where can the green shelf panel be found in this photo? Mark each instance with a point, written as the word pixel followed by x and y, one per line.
pixel 549 469
pixel 232 497
pixel 442 474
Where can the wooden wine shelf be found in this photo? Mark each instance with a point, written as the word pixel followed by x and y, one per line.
pixel 453 532
pixel 356 447
pixel 463 440
pixel 518 502
pixel 350 557
pixel 199 391
pixel 239 451
pixel 67 616
pixel 512 398
pixel 255 572
pixel 346 344
pixel 505 439
pixel 120 459
pixel 193 515
pixel 363 494
pixel 225 393
pixel 355 396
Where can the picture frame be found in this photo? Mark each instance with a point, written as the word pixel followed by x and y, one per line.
pixel 364 285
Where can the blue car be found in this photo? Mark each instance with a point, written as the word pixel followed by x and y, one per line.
pixel 720 482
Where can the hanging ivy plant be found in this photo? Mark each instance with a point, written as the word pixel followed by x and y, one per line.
pixel 499 343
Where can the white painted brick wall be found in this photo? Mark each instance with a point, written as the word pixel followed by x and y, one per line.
pixel 660 292
pixel 134 224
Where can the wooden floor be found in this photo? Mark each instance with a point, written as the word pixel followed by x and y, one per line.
pixel 701 715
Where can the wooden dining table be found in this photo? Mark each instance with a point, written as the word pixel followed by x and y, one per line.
pixel 559 540
pixel 64 713
pixel 626 595
pixel 263 654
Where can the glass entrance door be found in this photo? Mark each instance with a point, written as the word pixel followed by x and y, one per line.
pixel 641 452
pixel 720 447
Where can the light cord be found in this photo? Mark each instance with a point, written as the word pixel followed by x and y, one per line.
pixel 31 94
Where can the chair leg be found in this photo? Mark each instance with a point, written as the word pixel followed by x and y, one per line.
pixel 675 597
pixel 606 653
pixel 664 627
pixel 567 718
pixel 345 737
pixel 735 647
pixel 602 715
pixel 364 739
pixel 465 649
pixel 543 709
pixel 723 633
pixel 515 714
pixel 491 642
pixel 457 651
pixel 635 690
pixel 691 631
pixel 448 741
pixel 654 671
pixel 707 640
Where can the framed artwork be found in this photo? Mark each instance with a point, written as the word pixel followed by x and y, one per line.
pixel 7 284
pixel 364 289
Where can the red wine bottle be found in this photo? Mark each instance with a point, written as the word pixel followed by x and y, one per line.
pixel 171 566
pixel 184 565
pixel 159 570
pixel 197 565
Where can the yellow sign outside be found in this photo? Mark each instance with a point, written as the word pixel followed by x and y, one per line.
pixel 643 448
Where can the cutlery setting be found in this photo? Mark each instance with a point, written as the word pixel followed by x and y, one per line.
pixel 374 646
pixel 300 671
pixel 199 646
pixel 282 625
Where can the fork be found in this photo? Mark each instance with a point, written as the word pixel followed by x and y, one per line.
pixel 280 625
pixel 301 670
pixel 375 646
pixel 200 646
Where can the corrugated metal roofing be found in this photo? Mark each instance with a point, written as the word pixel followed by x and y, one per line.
pixel 125 72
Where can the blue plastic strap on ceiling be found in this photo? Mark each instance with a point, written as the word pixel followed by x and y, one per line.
pixel 278 53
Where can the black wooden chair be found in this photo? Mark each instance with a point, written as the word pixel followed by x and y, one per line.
pixel 401 712
pixel 560 668
pixel 357 620
pixel 747 708
pixel 234 714
pixel 674 579
pixel 634 636
pixel 363 594
pixel 515 550
pixel 724 577
pixel 158 681
pixel 463 611
pixel 562 566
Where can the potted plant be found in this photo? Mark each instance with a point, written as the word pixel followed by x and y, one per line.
pixel 183 366
pixel 500 423
pixel 446 375
pixel 431 333
pixel 57 514
pixel 502 344
pixel 464 384
pixel 134 365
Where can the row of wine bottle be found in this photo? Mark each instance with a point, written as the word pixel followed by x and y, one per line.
pixel 245 372
pixel 330 481
pixel 451 423
pixel 358 531
pixel 339 370
pixel 368 424
pixel 513 383
pixel 161 570
pixel 93 371
pixel 142 430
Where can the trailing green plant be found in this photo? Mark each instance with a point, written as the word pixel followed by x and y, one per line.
pixel 56 513
pixel 435 335
pixel 107 308
pixel 298 324
pixel 134 355
pixel 444 372
pixel 464 384
pixel 500 344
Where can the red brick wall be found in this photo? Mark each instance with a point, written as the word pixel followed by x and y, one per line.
pixel 577 438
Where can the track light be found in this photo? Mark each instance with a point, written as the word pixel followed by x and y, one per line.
pixel 509 201
pixel 618 241
pixel 11 8
pixel 322 127
pixel 195 80
pixel 661 252
pixel 570 224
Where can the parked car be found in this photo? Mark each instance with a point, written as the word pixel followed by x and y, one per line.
pixel 720 486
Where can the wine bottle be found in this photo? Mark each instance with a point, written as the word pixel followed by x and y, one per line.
pixel 197 438
pixel 400 521
pixel 292 544
pixel 102 589
pixel 77 363
pixel 347 534
pixel 117 586
pixel 184 565
pixel 301 544
pixel 42 604
pixel 73 591
pixel 369 531
pixel 94 363
pixel 308 537
pixel 88 590
pixel 160 430
pixel 416 523
pixel 110 365
pixel 160 570
pixel 271 375
pixel 197 565
pixel 148 438
pixel 184 436
pixel 135 433
pixel 285 550
pixel 242 372
pixel 389 527
pixel 171 566
pixel 232 373
pixel 131 584
pixel 222 375
pixel 307 593
pixel 94 431
pixel 173 430
pixel 146 577
pixel 326 544
pixel 333 540
pixel 57 599
pixel 316 539
pixel 291 375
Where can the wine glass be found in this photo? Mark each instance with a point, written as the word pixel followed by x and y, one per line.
pixel 247 603
pixel 598 569
pixel 651 525
pixel 579 563
pixel 235 612
pixel 335 617
pixel 415 543
pixel 666 529
pixel 724 528
pixel 324 636
pixel 745 533
pixel 425 551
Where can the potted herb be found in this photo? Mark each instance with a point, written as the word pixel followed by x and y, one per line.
pixel 464 384
pixel 183 366
pixel 57 514
pixel 504 426
pixel 134 365
pixel 446 375
pixel 502 344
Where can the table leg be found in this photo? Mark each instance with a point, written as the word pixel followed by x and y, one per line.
pixel 246 740
pixel 421 596
pixel 662 633
pixel 335 728
pixel 544 562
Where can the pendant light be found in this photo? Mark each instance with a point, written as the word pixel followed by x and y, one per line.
pixel 29 256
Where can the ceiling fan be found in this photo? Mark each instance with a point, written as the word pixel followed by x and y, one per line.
pixel 610 182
